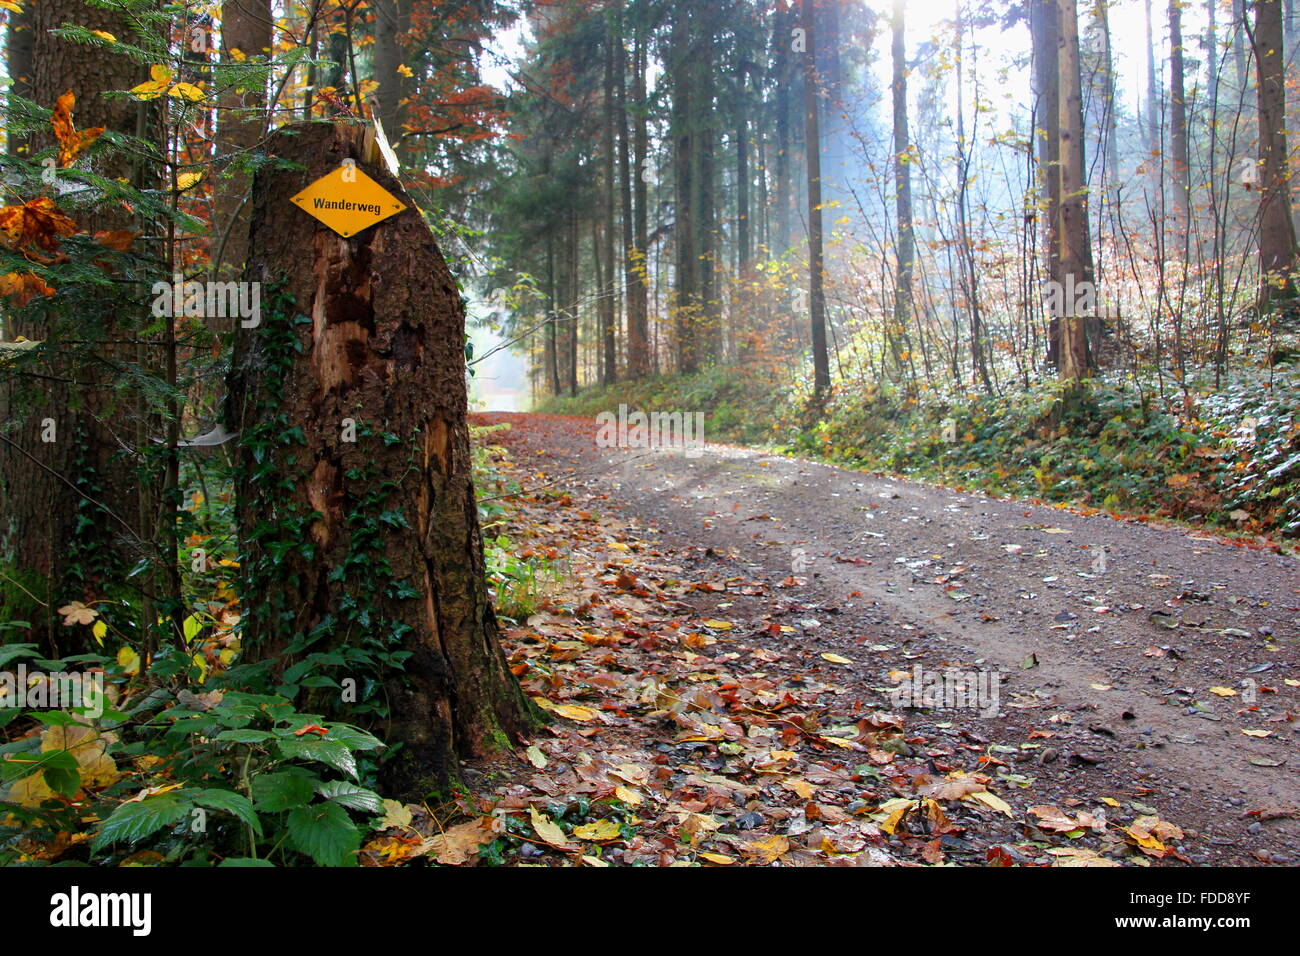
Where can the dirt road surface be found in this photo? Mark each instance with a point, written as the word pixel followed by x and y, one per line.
pixel 1149 663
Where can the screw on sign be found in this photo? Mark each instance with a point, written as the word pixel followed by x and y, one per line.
pixel 348 201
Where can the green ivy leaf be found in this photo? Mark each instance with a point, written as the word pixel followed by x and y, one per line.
pixel 351 795
pixel 332 752
pixel 325 833
pixel 273 792
pixel 229 802
pixel 134 821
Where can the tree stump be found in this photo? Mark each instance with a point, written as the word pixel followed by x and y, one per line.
pixel 360 549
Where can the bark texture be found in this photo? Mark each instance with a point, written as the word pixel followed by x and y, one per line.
pixel 388 555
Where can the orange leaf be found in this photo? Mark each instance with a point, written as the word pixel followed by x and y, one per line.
pixel 21 286
pixel 37 223
pixel 311 729
pixel 119 239
pixel 71 142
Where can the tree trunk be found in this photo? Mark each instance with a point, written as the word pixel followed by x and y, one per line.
pixel 1178 123
pixel 782 78
pixel 367 550
pixel 608 287
pixel 1076 252
pixel 245 26
pixel 638 310
pixel 816 266
pixel 18 52
pixel 1151 128
pixel 1277 239
pixel 392 23
pixel 905 256
pixel 632 296
pixel 72 506
pixel 1047 100
pixel 686 285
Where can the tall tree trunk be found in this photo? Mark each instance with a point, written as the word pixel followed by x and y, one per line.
pixel 816 266
pixel 704 190
pixel 1277 238
pixel 392 24
pixel 1047 109
pixel 552 318
pixel 18 53
pixel 572 304
pixel 686 304
pixel 246 27
pixel 608 287
pixel 1178 122
pixel 408 608
pixel 781 81
pixel 638 276
pixel 71 507
pixel 905 256
pixel 1151 129
pixel 744 251
pixel 1076 252
pixel 635 330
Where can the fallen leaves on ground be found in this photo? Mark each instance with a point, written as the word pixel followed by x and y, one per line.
pixel 680 738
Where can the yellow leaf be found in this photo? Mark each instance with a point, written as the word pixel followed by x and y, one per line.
pixel 721 859
pixel 574 712
pixel 1109 801
pixel 185 180
pixel 802 787
pixel 105 35
pixel 1258 733
pixel 548 830
pixel 395 815
pixel 895 810
pixel 100 629
pixel 161 78
pixel 186 91
pixel 837 741
pixel 991 801
pixel 769 850
pixel 595 861
pixel 599 831
pixel 1223 692
pixel 718 625
pixel 836 659
pixel 128 660
pixel 630 797
pixel 536 757
pixel 10 5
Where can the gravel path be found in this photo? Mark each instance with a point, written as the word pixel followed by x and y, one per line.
pixel 1152 664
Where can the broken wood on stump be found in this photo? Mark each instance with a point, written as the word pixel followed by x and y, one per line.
pixel 370 547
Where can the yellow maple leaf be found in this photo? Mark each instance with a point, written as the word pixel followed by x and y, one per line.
pixel 186 91
pixel 598 832
pixel 156 86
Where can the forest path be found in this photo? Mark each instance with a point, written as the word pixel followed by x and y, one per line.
pixel 1106 664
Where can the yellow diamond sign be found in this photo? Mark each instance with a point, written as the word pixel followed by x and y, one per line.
pixel 348 201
